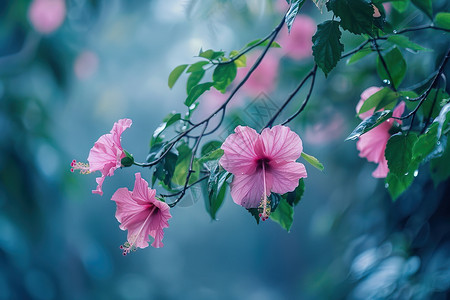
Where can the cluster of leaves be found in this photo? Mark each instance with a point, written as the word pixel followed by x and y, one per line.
pixel 410 147
pixel 224 71
pixel 177 166
pixel 367 19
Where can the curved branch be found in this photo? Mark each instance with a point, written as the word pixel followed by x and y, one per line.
pixel 302 107
pixel 291 96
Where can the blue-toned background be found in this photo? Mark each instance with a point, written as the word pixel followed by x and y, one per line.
pixel 61 90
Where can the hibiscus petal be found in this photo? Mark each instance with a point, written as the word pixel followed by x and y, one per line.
pixel 281 144
pixel 118 128
pixel 104 152
pixel 285 176
pixel 373 143
pixel 239 154
pixel 140 190
pixel 247 190
pixel 99 181
pixel 382 170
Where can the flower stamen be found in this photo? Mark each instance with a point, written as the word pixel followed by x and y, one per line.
pixel 264 206
pixel 83 167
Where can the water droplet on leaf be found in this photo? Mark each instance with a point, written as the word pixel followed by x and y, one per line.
pixel 386 81
pixel 416 172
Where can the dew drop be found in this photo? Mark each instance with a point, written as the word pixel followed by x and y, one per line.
pixel 416 172
pixel 386 185
pixel 438 143
pixel 386 81
pixel 394 31
pixel 406 174
pixel 407 98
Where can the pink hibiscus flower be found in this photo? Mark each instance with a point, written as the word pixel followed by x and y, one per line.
pixel 372 144
pixel 47 15
pixel 106 155
pixel 298 44
pixel 262 164
pixel 263 78
pixel 141 214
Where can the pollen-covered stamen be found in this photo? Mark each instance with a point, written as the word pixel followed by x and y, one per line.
pixel 83 167
pixel 264 206
pixel 127 248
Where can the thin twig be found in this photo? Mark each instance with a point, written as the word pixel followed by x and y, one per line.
pixel 383 62
pixel 424 95
pixel 188 187
pixel 291 96
pixel 302 107
pixel 191 164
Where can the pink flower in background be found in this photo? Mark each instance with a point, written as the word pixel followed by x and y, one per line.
pixel 107 153
pixel 262 164
pixel 86 64
pixel 298 44
pixel 372 144
pixel 47 15
pixel 263 78
pixel 141 214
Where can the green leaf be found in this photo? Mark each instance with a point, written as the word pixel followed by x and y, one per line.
pixel 168 121
pixel 425 144
pixel 369 123
pixel 292 13
pixel 399 155
pixel 443 120
pixel 156 150
pixel 380 99
pixel 198 66
pixel 263 44
pixel 425 6
pixel 440 167
pixel 327 48
pixel 196 92
pixel 241 61
pixel 359 55
pixel 214 155
pixel 194 79
pixel 442 20
pixel 356 15
pixel 175 74
pixel 396 185
pixel 293 198
pixel 396 65
pixel 400 5
pixel 399 152
pixel 313 161
pixel 283 215
pixel 404 42
pixel 210 146
pixel 434 101
pixel 223 75
pixel 320 4
pixel 211 54
pixel 165 169
pixel 182 166
pixel 216 187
